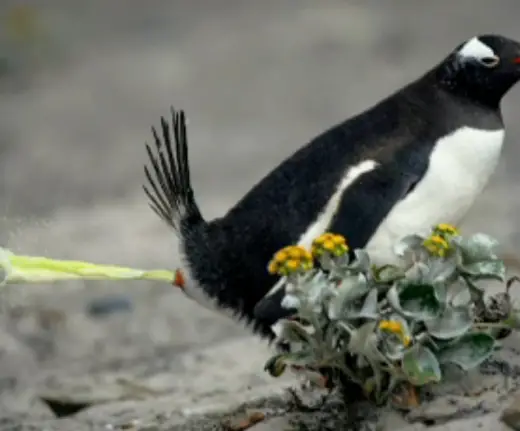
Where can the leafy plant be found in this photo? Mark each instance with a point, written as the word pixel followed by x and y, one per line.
pixel 380 327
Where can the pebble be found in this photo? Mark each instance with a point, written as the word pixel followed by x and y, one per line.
pixel 101 307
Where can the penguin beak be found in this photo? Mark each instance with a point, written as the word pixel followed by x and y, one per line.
pixel 179 280
pixel 269 309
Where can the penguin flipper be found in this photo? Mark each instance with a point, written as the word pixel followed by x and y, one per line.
pixel 361 209
pixel 365 205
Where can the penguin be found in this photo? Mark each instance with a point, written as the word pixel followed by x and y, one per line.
pixel 419 157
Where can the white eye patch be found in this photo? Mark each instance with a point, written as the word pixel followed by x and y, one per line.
pixel 476 49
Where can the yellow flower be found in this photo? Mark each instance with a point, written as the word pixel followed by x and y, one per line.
pixel 329 243
pixel 445 230
pixel 292 264
pixel 339 240
pixel 291 259
pixel 397 328
pixel 437 245
pixel 281 256
pixel 273 267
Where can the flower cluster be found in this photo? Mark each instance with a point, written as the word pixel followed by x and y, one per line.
pixel 333 244
pixel 380 326
pixel 296 259
pixel 438 243
pixel 290 260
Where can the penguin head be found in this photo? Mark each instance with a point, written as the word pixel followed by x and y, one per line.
pixel 482 68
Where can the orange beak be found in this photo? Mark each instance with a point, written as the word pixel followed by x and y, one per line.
pixel 179 281
pixel 516 60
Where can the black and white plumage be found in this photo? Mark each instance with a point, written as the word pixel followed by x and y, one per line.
pixel 419 157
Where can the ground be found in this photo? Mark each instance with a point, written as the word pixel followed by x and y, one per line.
pixel 257 80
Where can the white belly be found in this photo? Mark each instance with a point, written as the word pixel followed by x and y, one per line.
pixel 460 167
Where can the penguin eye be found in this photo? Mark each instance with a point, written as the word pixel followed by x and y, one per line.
pixel 489 61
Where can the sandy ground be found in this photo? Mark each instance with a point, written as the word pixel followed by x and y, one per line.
pixel 257 80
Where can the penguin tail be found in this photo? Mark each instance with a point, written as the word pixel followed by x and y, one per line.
pixel 168 188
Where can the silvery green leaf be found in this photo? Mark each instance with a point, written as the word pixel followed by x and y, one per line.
pixel 513 320
pixel 469 351
pixel 389 273
pixel 392 297
pixel 346 327
pixel 332 335
pixel 293 331
pixel 477 293
pixel 486 270
pixel 350 288
pixel 275 366
pixel 416 301
pixel 318 290
pixel 297 284
pixel 359 337
pixel 441 270
pixel 393 349
pixel 477 248
pixel 307 282
pixel 361 262
pixel 451 323
pixel 291 301
pixel 417 273
pixel 441 293
pixel 300 358
pixel 361 361
pixel 459 295
pixel 368 309
pixel 407 244
pixel 326 262
pixel 421 366
pixel 309 314
pixel 363 341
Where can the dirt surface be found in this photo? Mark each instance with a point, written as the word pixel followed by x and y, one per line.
pixel 257 79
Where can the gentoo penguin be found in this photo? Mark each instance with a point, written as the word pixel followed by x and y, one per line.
pixel 417 158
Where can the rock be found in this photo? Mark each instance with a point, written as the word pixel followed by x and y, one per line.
pixel 174 410
pixel 24 405
pixel 442 410
pixel 17 363
pixel 37 327
pixel 276 423
pixel 101 307
pixel 243 422
pixel 185 398
pixel 18 369
pixel 484 423
pixel 207 373
pixel 511 415
pixel 10 424
pixel 67 395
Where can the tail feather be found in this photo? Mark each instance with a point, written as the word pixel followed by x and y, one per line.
pixel 169 189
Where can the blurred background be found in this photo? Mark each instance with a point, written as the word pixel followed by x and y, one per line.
pixel 80 85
